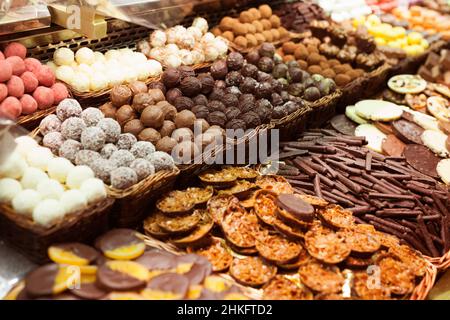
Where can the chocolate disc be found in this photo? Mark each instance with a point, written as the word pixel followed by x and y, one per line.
pixel 174 283
pixel 80 250
pixel 422 159
pixel 444 126
pixel 114 280
pixel 408 116
pixel 40 282
pixel 158 260
pixel 407 131
pixel 342 124
pixel 89 291
pixel 110 242
pixel 393 146
pixel 296 206
pixel 386 128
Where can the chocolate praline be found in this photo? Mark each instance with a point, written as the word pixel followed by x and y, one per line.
pixel 108 110
pixel 232 113
pixel 236 124
pixel 216 105
pixel 200 100
pixel 134 127
pixel 183 103
pixel 138 87
pixel 230 100
pixel 200 111
pixel 253 57
pixel 142 101
pixel 190 86
pixel 171 77
pixel 263 90
pixel 250 70
pixel 207 82
pixel 217 94
pixel 219 69
pixel 124 114
pixel 217 118
pixel 173 94
pixel 158 85
pixel 235 61
pixel 234 78
pixel 251 119
pixel 121 95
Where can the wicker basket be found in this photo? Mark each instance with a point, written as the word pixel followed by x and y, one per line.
pixel 323 109
pixel 442 263
pixel 32 121
pixel 33 240
pixel 294 123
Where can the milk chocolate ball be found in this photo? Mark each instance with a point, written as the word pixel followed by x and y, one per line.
pixel 167 109
pixel 152 117
pixel 190 86
pixel 219 69
pixel 171 77
pixel 167 128
pixel 142 101
pixel 185 119
pixel 207 82
pixel 150 135
pixel 166 144
pixel 121 95
pixel 124 114
pixel 183 103
pixel 157 85
pixel 134 127
pixel 108 110
pixel 173 94
pixel 138 87
pixel 157 95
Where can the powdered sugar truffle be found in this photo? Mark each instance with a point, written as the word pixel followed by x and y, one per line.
pixel 72 128
pixel 102 169
pixel 86 157
pixel 126 141
pixel 25 201
pixel 161 161
pixel 158 38
pixel 91 116
pixel 143 168
pixel 9 188
pixel 25 144
pixel 50 189
pixel 53 141
pixel 58 168
pixel 78 175
pixel 48 212
pixel 50 123
pixel 32 177
pixel 73 200
pixel 68 108
pixel 93 138
pixel 93 189
pixel 39 157
pixel 123 177
pixel 142 149
pixel 69 149
pixel 122 158
pixel 13 167
pixel 107 150
pixel 111 128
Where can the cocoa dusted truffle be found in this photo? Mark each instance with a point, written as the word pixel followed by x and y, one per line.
pixel 72 127
pixel 50 123
pixel 232 113
pixel 216 105
pixel 126 141
pixel 235 61
pixel 236 124
pixel 233 78
pixel 93 138
pixel 150 135
pixel 102 169
pixel 121 95
pixel 143 168
pixel 152 117
pixel 134 127
pixel 68 108
pixel 207 82
pixel 69 149
pixel 190 86
pixel 171 77
pixel 183 103
pixel 173 94
pixel 125 113
pixel 267 50
pixel 123 177
pixel 138 87
pixel 217 118
pixel 142 149
pixel 219 69
pixel 53 140
pixel 121 158
pixel 107 150
pixel 185 119
pixel 161 161
pixel 111 128
pixel 230 100
pixel 108 110
pixel 251 119
pixel 200 99
pixel 86 157
pixel 253 57
pixel 142 101
pixel 250 70
pixel 200 111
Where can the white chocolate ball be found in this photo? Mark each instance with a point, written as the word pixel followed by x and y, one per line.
pixel 99 57
pixel 85 55
pixel 86 69
pixel 221 46
pixel 65 73
pixel 25 143
pixel 208 37
pixel 158 38
pixel 39 158
pixel 58 168
pixel 25 201
pixel 115 77
pixel 186 41
pixel 171 35
pixel 81 82
pixel 172 60
pixel 198 56
pixel 73 200
pixel 138 57
pixel 50 189
pixel 93 189
pixel 98 81
pixel 172 49
pixel 201 24
pixel 132 73
pixel 32 177
pixel 63 56
pixel 125 51
pixel 52 66
pixel 47 212
pixel 78 175
pixel 151 68
pixel 157 53
pixel 211 53
pixel 195 32
pixel 186 57
pixel 9 188
pixel 13 167
pixel 112 54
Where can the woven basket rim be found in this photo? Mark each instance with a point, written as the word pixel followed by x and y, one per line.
pixel 68 220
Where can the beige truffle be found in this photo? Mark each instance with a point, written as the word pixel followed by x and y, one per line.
pixel 166 144
pixel 150 135
pixel 185 119
pixel 167 128
pixel 153 117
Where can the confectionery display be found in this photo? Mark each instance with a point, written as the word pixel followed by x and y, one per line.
pixel 180 46
pixel 121 267
pixel 227 150
pixel 252 27
pixel 44 188
pixel 91 71
pixel 26 85
pixel 271 238
pixel 89 139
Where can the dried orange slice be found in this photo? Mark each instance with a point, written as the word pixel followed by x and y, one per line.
pixel 76 254
pixel 122 275
pixel 130 252
pixel 121 244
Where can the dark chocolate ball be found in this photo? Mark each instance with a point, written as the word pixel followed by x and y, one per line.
pixel 279 112
pixel 235 61
pixel 190 86
pixel 186 71
pixel 207 82
pixel 266 64
pixel 290 107
pixel 232 113
pixel 236 124
pixel 312 94
pixel 200 111
pixel 221 84
pixel 216 105
pixel 263 76
pixel 200 99
pixel 171 77
pixel 217 118
pixel 247 102
pixel 263 90
pixel 230 100
pixel 250 70
pixel 121 95
pixel 295 74
pixel 276 99
pixel 249 85
pixel 266 50
pixel 217 94
pixel 280 71
pixel 253 57
pixel 173 94
pixel 296 89
pixel 234 78
pixel 233 90
pixel 158 85
pixel 219 69
pixel 183 103
pixel 251 119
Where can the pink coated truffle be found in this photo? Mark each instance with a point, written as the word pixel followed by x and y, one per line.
pixel 3 91
pixel 60 92
pixel 17 65
pixel 15 87
pixel 2 56
pixel 44 97
pixel 45 76
pixel 32 64
pixel 15 49
pixel 5 71
pixel 29 105
pixel 30 82
pixel 11 108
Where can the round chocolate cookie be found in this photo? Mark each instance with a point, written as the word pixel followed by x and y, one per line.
pixel 296 206
pixel 422 159
pixel 122 276
pixel 407 131
pixel 111 243
pixel 41 282
pixel 171 283
pixel 342 124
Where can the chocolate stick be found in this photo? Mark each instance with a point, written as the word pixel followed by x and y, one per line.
pixel 428 242
pixel 326 166
pixel 368 162
pixel 317 189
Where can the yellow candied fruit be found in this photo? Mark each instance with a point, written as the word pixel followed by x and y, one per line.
pixel 66 276
pixel 235 296
pixel 216 284
pixel 380 41
pixel 424 43
pixel 125 296
pixel 159 295
pixel 127 252
pixel 414 38
pixel 399 32
pixel 133 269
pixel 183 268
pixel 373 19
pixel 194 292
pixel 395 44
pixel 61 256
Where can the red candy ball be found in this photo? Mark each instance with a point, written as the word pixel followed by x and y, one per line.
pixel 45 76
pixel 60 92
pixel 44 97
pixel 32 64
pixel 11 108
pixel 3 91
pixel 17 65
pixel 15 87
pixel 16 49
pixel 30 81
pixel 5 71
pixel 29 105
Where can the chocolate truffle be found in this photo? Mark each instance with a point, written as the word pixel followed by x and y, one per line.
pixel 86 157
pixel 266 50
pixel 235 61
pixel 138 87
pixel 185 119
pixel 108 110
pixel 53 140
pixel 142 101
pixel 150 135
pixel 121 95
pixel 93 138
pixel 200 111
pixel 266 64
pixel 72 127
pixel 161 161
pixel 68 108
pixel 69 149
pixel 207 82
pixel 142 149
pixel 217 94
pixel 182 134
pixel 122 158
pixel 167 109
pixel 91 116
pixel 183 103
pixel 134 127
pixel 107 150
pixel 166 144
pixel 232 113
pixel 152 117
pixel 167 128
pixel 190 86
pixel 143 168
pixel 251 119
pixel 158 85
pixel 123 177
pixel 171 77
pixel 157 95
pixel 124 114
pixel 236 124
pixel 249 85
pixel 49 124
pixel 216 105
pixel 173 94
pixel 217 118
pixel 126 141
pixel 200 99
pixel 233 78
pixel 111 128
pixel 219 69
pixel 185 152
pixel 253 57
pixel 246 102
pixel 102 169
